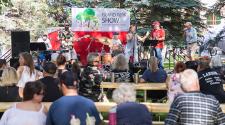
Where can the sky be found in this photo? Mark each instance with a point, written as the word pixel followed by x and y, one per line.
pixel 209 2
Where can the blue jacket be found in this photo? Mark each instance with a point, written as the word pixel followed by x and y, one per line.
pixel 132 113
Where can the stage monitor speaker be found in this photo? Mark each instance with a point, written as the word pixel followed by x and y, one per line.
pixel 20 42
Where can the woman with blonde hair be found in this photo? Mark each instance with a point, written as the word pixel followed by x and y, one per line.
pixel 26 71
pixel 154 74
pixel 8 88
pixel 120 69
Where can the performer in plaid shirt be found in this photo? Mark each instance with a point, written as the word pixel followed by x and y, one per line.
pixel 193 107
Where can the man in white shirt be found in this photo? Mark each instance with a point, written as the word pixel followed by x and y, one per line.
pixel 116 45
pixel 44 39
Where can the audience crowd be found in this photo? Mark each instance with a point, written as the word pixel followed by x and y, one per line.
pixel 195 92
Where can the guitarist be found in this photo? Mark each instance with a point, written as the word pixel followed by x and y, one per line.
pixel 158 33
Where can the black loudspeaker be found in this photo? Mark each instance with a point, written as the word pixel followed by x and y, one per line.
pixel 20 42
pixel 14 62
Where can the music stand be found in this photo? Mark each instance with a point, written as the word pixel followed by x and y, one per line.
pixel 150 43
pixel 38 46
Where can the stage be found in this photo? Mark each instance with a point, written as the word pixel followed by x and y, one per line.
pixel 87 45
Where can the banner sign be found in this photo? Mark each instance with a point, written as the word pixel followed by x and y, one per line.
pixel 100 19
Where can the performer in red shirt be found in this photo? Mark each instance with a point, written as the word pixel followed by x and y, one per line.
pixel 158 33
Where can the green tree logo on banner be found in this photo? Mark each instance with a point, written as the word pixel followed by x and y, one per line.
pixel 88 17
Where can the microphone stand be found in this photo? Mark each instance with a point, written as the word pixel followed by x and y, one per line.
pixel 135 39
pixel 89 45
pixel 103 49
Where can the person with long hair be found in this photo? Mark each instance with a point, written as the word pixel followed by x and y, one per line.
pixel 120 68
pixel 173 84
pixel 154 73
pixel 131 48
pixel 29 112
pixel 26 71
pixel 76 69
pixel 61 65
pixel 8 88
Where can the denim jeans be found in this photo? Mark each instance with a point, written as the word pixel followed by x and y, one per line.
pixel 158 54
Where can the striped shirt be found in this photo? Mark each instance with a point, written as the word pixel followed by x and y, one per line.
pixel 195 108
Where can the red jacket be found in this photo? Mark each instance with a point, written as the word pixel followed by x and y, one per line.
pixel 160 34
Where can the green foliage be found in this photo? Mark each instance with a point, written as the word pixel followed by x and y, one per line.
pixel 88 14
pixel 28 15
pixel 216 10
pixel 4 4
pixel 172 14
pixel 80 16
pixel 217 7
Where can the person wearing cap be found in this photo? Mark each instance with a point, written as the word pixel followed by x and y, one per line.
pixel 52 91
pixel 44 39
pixel 210 80
pixel 190 37
pixel 71 104
pixel 158 33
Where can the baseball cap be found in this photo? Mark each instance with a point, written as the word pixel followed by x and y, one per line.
pixel 67 78
pixel 188 24
pixel 50 68
pixel 156 23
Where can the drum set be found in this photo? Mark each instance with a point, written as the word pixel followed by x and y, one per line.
pixel 106 58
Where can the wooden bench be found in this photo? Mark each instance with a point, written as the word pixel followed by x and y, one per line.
pixel 105 107
pixel 102 106
pixel 140 86
pixel 152 107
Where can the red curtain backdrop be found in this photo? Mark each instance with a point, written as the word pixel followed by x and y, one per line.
pixel 81 46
